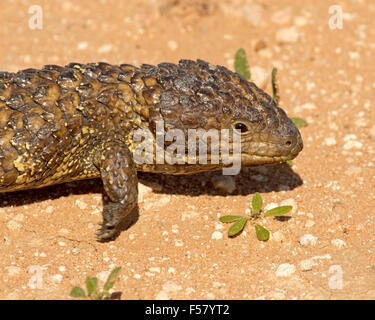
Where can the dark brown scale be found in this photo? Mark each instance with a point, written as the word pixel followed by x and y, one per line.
pixel 61 124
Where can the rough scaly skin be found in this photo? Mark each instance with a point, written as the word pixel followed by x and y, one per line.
pixel 60 124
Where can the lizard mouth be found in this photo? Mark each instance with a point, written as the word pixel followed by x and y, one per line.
pixel 280 150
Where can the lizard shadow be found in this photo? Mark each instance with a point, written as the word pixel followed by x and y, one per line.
pixel 262 179
pixel 250 180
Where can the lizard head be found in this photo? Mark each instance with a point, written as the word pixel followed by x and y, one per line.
pixel 198 95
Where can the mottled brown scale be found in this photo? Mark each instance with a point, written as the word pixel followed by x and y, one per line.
pixel 60 124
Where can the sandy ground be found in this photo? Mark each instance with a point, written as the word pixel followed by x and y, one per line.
pixel 178 249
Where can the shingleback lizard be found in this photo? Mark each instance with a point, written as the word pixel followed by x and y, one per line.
pixel 60 124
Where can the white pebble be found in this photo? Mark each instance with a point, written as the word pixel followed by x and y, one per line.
pixel 308 239
pixel 338 243
pixel 13 270
pixel 82 205
pixel 173 45
pixel 330 141
pixel 307 264
pixel 154 269
pixel 285 270
pixel 82 45
pixel 217 235
pixel 106 48
pixel 13 225
pixel 352 144
pixel 171 270
pixel 288 35
pixel 55 278
pixel 162 295
pixel 49 209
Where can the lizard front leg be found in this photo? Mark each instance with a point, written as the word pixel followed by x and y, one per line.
pixel 120 182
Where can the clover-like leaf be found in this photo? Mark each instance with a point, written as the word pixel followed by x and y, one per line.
pixel 91 285
pixel 227 219
pixel 299 122
pixel 241 65
pixel 237 227
pixel 257 202
pixel 78 292
pixel 262 233
pixel 112 278
pixel 278 211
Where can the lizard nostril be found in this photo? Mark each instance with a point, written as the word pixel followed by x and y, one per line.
pixel 288 143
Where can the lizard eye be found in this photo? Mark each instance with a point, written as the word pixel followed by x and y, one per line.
pixel 243 128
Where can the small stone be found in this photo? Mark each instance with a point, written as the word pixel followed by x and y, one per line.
pixel 277 236
pixel 171 270
pixel 13 225
pixel 330 141
pixel 178 243
pixel 82 45
pixel 154 269
pixel 307 264
pixel 217 235
pixel 282 16
pixel 339 243
pixel 106 48
pixel 13 271
pixel 162 295
pixel 55 278
pixel 82 205
pixel 224 183
pixel 300 21
pixel 285 270
pixel 352 145
pixel 288 35
pixel 309 223
pixel 171 286
pixel 308 239
pixel 173 45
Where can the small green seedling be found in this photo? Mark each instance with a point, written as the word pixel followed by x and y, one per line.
pixel 241 66
pixel 299 122
pixel 239 222
pixel 92 287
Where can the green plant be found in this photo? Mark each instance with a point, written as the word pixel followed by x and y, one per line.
pixel 299 122
pixel 241 65
pixel 92 287
pixel 239 222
